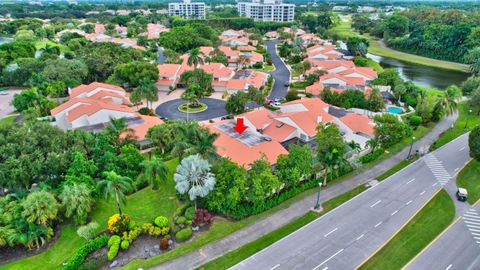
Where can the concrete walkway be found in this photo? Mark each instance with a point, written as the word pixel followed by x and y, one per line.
pixel 256 230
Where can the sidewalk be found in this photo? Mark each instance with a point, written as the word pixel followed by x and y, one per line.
pixel 211 251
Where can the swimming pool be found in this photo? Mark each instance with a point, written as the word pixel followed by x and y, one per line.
pixel 394 110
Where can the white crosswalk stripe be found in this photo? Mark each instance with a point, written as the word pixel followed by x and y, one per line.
pixel 472 220
pixel 437 169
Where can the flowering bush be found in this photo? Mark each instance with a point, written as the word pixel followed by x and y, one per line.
pixel 132 234
pixel 202 216
pixel 117 224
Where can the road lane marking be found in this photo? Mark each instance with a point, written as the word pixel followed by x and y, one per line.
pixel 326 268
pixel 378 224
pixel 461 149
pixel 421 193
pixel 410 181
pixel 434 184
pixel 330 232
pixel 328 259
pixel 373 205
pixel 448 267
pixel 275 267
pixel 409 202
pixel 394 212
pixel 360 237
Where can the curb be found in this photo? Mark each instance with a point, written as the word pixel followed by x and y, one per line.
pixel 398 231
pixel 432 242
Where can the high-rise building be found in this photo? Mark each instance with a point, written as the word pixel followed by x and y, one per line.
pixel 187 9
pixel 267 10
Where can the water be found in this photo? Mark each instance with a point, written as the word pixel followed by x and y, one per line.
pixel 394 110
pixel 422 75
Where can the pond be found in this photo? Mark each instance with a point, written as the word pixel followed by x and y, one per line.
pixel 422 75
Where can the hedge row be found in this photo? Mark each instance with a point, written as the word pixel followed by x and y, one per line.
pixel 79 257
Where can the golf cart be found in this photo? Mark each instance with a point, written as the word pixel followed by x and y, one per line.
pixel 462 194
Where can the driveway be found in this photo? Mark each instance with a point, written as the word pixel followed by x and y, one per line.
pixel 281 74
pixel 169 110
pixel 5 107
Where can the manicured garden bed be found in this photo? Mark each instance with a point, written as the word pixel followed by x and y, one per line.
pixel 188 108
pixel 469 178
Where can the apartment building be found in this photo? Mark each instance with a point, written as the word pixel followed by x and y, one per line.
pixel 187 9
pixel 267 10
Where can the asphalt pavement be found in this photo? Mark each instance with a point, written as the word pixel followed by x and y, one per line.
pixel 169 110
pixel 281 74
pixel 345 237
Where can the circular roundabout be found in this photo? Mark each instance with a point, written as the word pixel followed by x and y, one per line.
pixel 192 108
pixel 177 109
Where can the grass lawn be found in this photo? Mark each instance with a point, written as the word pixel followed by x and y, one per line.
pixel 402 164
pixel 469 178
pixel 142 206
pixel 9 119
pixel 185 108
pixel 459 126
pixel 421 230
pixel 235 256
pixel 266 68
pixel 375 65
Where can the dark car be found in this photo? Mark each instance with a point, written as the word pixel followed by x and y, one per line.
pixel 287 84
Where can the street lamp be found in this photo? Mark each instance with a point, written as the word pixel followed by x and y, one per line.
pixel 317 205
pixel 410 150
pixel 468 117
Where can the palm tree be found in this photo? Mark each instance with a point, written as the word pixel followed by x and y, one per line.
pixel 203 144
pixel 193 176
pixel 146 90
pixel 195 57
pixel 153 170
pixel 473 58
pixel 242 61
pixel 117 127
pixel 40 207
pixel 77 201
pixel 115 185
pixel 354 146
pixel 373 143
pixel 448 102
pixel 182 143
pixel 333 162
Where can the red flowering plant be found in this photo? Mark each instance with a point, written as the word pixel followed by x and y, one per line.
pixel 202 217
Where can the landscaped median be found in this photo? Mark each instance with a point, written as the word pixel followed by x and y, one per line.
pixel 236 256
pixel 429 222
pixel 469 178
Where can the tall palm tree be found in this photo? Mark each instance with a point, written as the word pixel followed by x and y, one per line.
pixel 354 146
pixel 203 144
pixel 449 102
pixel 147 90
pixel 373 143
pixel 334 161
pixel 117 127
pixel 115 185
pixel 193 176
pixel 195 57
pixel 153 170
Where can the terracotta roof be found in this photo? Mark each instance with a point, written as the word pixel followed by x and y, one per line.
pixel 218 70
pixel 279 131
pixel 246 48
pixel 168 70
pixel 365 71
pixel 260 118
pixel 358 123
pixel 331 64
pixel 272 34
pixel 141 130
pixel 348 80
pixel 242 154
pixel 86 88
pixel 88 107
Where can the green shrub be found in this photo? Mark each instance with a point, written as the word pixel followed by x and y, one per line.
pixel 292 94
pixel 131 225
pixel 309 95
pixel 180 210
pixel 371 156
pixel 125 244
pixel 79 257
pixel 176 229
pixel 151 230
pixel 183 235
pixel 190 213
pixel 168 237
pixel 114 240
pixel 415 120
pixel 130 236
pixel 88 231
pixel 181 220
pixel 112 252
pixel 161 221
pixel 258 65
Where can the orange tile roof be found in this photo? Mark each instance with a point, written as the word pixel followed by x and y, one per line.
pixel 246 48
pixel 348 80
pixel 140 131
pixel 218 70
pixel 260 118
pixel 241 153
pixel 85 88
pixel 168 70
pixel 279 131
pixel 331 64
pixel 358 123
pixel 365 71
pixel 90 107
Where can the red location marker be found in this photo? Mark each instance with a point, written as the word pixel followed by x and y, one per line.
pixel 240 128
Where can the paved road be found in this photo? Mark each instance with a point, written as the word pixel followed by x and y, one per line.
pixel 345 237
pixel 281 74
pixel 169 110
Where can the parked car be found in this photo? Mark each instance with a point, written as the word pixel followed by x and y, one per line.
pixel 276 104
pixel 462 194
pixel 3 92
pixel 287 84
pixel 278 99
